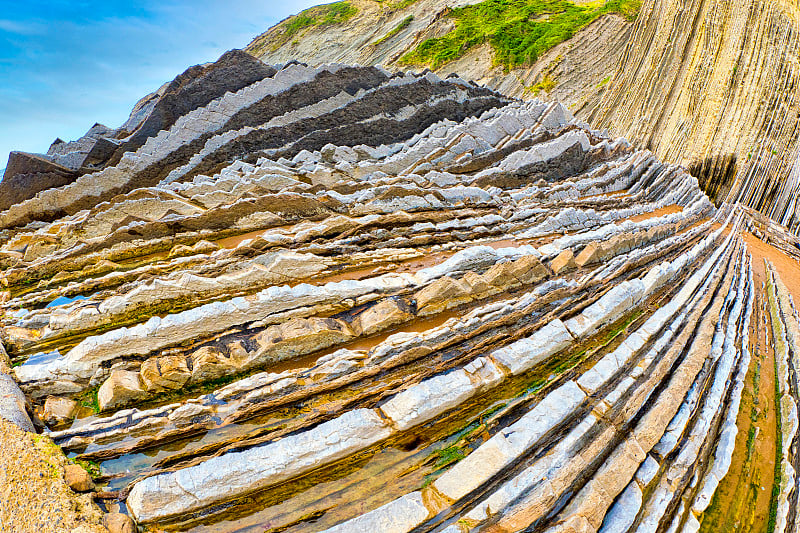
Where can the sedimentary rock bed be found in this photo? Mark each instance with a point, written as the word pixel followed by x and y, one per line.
pixel 712 85
pixel 346 299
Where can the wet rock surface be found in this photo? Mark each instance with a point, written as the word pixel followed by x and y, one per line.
pixel 344 299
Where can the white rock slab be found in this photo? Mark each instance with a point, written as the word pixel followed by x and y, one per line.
pixel 509 443
pixel 398 516
pixel 224 477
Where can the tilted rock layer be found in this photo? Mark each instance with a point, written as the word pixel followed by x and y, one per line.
pixel 345 299
pixel 712 85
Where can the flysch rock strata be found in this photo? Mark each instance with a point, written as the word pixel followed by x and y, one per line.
pixel 342 299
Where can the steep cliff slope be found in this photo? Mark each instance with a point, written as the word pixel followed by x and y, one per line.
pixel 710 85
pixel 384 32
pixel 715 86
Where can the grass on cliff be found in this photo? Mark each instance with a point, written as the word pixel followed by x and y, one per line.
pixel 394 31
pixel 519 31
pixel 397 4
pixel 324 15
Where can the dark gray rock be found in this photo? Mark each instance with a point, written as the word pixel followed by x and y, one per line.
pixel 27 174
pixel 194 88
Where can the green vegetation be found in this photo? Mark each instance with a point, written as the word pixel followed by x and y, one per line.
pixel 91 467
pixel 778 348
pixel 448 456
pixel 88 398
pixel 298 23
pixel 52 454
pixel 776 481
pixel 394 31
pixel 398 4
pixel 604 81
pixel 402 4
pixel 519 31
pixel 546 85
pixel 323 15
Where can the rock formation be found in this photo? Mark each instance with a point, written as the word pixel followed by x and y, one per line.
pixel 28 174
pixel 712 85
pixel 340 298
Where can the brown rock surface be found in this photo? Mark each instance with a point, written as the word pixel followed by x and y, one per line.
pixel 564 262
pixel 27 174
pixel 119 523
pixel 381 316
pixel 441 294
pixel 78 479
pixel 34 495
pixel 591 253
pixel 58 410
pixel 121 387
pixel 161 373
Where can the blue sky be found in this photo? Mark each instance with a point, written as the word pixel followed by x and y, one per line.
pixel 65 65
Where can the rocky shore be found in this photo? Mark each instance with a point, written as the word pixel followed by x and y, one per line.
pixel 339 298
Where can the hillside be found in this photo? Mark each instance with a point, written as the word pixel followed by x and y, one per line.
pixel 711 85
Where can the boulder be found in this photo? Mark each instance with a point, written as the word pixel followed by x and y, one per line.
pixel 442 294
pixel 119 523
pixel 528 270
pixel 58 410
pixel 78 479
pixel 121 387
pixel 478 287
pixel 564 262
pixel 591 253
pixel 208 364
pixel 381 316
pixel 501 275
pixel 298 336
pixel 165 373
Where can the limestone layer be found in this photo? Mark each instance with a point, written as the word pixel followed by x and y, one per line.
pixel 345 299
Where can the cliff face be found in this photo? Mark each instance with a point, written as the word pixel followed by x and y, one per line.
pixel 711 85
pixel 383 32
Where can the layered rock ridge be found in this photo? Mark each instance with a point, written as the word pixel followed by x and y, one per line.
pixel 344 299
pixel 711 85
pixel 715 86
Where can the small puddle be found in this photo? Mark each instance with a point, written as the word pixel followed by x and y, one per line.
pixel 63 300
